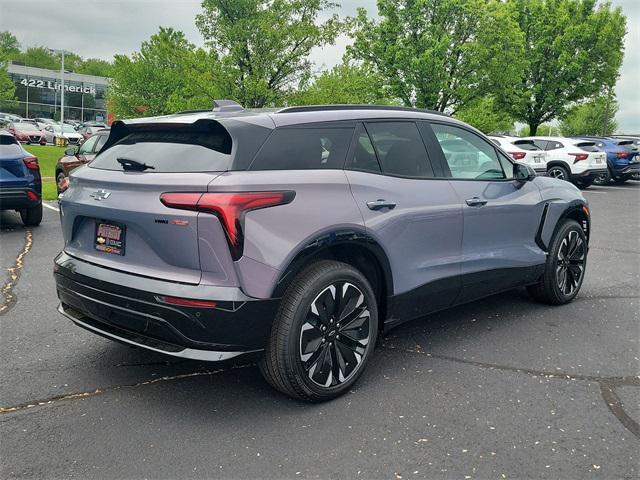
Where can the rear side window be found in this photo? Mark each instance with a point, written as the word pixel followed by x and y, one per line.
pixel 554 145
pixel 304 148
pixel 177 149
pixel 364 155
pixel 400 149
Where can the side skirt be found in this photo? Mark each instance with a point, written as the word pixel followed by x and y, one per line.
pixel 449 292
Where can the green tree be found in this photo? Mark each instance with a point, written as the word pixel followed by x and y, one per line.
pixel 167 74
pixel 9 45
pixel 95 66
pixel 440 54
pixel 264 45
pixel 485 116
pixel 593 117
pixel 40 57
pixel 343 84
pixel 7 87
pixel 573 49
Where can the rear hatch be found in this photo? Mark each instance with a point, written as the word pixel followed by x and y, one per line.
pixel 112 214
pixel 535 156
pixel 596 159
pixel 631 149
pixel 13 170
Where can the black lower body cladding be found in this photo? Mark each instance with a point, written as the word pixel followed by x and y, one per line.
pixel 142 318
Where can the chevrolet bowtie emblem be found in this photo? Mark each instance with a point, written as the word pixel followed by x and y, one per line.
pixel 100 195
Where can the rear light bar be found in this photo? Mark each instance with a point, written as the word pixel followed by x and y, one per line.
pixel 579 157
pixel 229 207
pixel 32 195
pixel 518 155
pixel 31 163
pixel 186 302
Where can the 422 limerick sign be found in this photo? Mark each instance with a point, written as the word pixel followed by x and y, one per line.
pixel 47 84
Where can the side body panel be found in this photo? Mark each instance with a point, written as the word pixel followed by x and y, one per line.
pixel 421 237
pixel 274 236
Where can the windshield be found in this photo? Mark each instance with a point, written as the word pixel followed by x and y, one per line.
pixel 24 126
pixel 67 129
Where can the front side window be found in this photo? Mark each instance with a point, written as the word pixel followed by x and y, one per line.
pixel 467 155
pixel 102 139
pixel 304 148
pixel 400 149
pixel 87 147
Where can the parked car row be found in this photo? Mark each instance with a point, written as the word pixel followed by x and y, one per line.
pixel 580 160
pixel 45 130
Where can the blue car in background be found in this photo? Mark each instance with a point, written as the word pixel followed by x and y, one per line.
pixel 20 180
pixel 623 159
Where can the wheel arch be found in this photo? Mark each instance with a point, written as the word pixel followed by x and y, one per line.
pixel 350 246
pixel 555 213
pixel 559 163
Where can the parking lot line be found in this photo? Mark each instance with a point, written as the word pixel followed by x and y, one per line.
pixel 51 207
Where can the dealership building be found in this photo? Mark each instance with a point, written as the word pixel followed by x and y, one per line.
pixel 38 94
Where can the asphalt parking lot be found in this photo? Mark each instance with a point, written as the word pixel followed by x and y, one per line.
pixel 501 388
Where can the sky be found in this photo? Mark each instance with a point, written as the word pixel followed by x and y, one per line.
pixel 98 28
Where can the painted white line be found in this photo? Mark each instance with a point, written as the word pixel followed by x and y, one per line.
pixel 592 191
pixel 50 206
pixel 613 187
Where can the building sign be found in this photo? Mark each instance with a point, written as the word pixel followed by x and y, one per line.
pixel 48 84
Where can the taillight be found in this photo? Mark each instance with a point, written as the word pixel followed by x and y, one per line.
pixel 579 157
pixel 518 155
pixel 32 195
pixel 622 154
pixel 31 163
pixel 229 207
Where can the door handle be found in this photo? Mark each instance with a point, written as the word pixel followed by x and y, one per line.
pixel 475 202
pixel 380 204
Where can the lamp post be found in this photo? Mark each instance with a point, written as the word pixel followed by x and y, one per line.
pixel 62 53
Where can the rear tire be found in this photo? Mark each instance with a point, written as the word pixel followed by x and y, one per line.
pixel 59 178
pixel 565 267
pixel 559 172
pixel 323 334
pixel 603 179
pixel 620 180
pixel 31 217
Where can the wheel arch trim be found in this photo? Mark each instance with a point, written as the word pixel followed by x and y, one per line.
pixel 554 213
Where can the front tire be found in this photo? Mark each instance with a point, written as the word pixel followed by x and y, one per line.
pixel 31 217
pixel 564 270
pixel 323 334
pixel 583 184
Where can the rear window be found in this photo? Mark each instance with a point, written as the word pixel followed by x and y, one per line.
pixel 8 140
pixel 588 146
pixel 527 145
pixel 171 150
pixel 304 148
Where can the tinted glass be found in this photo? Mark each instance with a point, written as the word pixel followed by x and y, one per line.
pixel 8 140
pixel 364 155
pixel 400 149
pixel 526 145
pixel 588 146
pixel 541 144
pixel 102 139
pixel 171 150
pixel 87 146
pixel 554 145
pixel 304 148
pixel 468 155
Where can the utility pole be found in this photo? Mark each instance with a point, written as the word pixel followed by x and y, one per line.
pixel 62 96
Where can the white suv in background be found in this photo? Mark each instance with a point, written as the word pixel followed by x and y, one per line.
pixel 524 151
pixel 574 160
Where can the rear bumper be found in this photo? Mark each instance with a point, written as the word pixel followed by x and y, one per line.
pixel 589 174
pixel 237 325
pixel 18 198
pixel 630 169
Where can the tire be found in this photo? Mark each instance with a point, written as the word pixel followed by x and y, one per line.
pixel 603 179
pixel 620 180
pixel 582 184
pixel 565 266
pixel 59 178
pixel 559 172
pixel 31 217
pixel 305 351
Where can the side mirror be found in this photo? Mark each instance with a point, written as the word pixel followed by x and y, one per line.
pixel 523 173
pixel 70 152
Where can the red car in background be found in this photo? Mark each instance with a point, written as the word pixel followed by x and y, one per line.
pixel 88 130
pixel 27 133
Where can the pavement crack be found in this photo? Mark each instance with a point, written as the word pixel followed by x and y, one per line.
pixel 13 276
pixel 607 384
pixel 100 391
